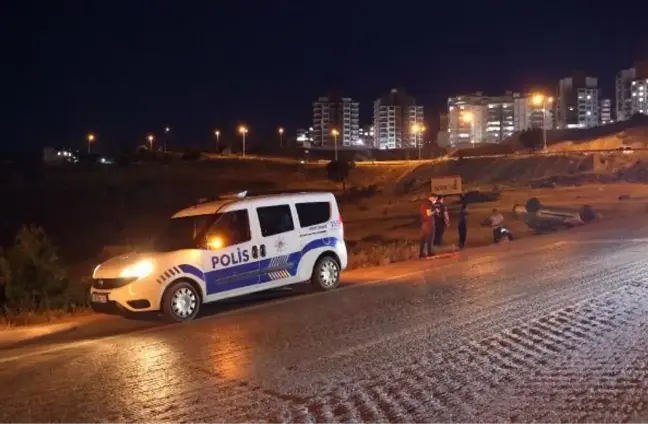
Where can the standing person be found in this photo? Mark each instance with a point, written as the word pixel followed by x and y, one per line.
pixel 462 226
pixel 441 220
pixel 426 211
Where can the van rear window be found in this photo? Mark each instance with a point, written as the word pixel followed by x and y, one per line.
pixel 313 213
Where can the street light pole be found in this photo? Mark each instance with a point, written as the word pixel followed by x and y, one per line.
pixel 335 134
pixel 166 136
pixel 544 124
pixel 419 140
pixel 542 100
pixel 91 139
pixel 415 131
pixel 150 140
pixel 281 131
pixel 217 134
pixel 468 117
pixel 243 130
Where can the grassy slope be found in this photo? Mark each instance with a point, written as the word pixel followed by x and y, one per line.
pixel 84 211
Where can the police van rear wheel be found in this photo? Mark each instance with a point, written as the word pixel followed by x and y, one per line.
pixel 181 302
pixel 326 274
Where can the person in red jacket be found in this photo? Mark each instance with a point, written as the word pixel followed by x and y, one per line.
pixel 427 212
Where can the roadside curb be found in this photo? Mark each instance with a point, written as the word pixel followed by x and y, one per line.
pixel 14 336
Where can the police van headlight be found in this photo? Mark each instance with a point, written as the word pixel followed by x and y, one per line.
pixel 139 269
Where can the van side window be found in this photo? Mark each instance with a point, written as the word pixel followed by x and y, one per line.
pixel 275 220
pixel 231 227
pixel 313 213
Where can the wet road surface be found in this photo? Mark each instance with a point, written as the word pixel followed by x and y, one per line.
pixel 547 329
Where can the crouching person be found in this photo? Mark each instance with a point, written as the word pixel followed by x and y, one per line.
pixel 496 222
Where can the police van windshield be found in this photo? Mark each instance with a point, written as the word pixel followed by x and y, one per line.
pixel 183 233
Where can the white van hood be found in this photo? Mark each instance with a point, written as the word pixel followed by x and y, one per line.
pixel 113 267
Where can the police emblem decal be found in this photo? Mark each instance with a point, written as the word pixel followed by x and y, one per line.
pixel 280 245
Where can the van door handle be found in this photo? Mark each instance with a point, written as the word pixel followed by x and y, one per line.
pixel 255 252
pixel 263 251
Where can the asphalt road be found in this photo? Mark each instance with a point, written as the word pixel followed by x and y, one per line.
pixel 547 329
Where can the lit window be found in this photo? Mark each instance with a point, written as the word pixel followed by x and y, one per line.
pixel 589 97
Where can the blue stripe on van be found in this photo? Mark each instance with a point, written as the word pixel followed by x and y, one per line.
pixel 258 271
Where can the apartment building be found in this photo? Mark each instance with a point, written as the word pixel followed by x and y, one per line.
pixel 305 136
pixel 443 135
pixel 623 89
pixel 578 100
pixel 335 113
pixel 505 115
pixel 639 93
pixel 606 111
pixel 639 89
pixel 394 117
pixel 477 118
pixel 467 119
pixel 366 137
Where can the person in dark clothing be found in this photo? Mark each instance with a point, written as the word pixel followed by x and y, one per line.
pixel 441 220
pixel 496 222
pixel 462 226
pixel 426 212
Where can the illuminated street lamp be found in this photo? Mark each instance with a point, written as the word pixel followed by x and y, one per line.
pixel 167 130
pixel 335 133
pixel 281 131
pixel 91 140
pixel 150 139
pixel 417 131
pixel 243 131
pixel 540 99
pixel 217 135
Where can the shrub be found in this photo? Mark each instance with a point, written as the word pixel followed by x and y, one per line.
pixel 31 277
pixel 191 155
pixel 339 170
pixel 532 139
pixel 369 254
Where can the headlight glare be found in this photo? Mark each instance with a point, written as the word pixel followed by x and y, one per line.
pixel 139 269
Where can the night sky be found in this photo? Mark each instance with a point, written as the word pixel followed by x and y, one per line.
pixel 123 69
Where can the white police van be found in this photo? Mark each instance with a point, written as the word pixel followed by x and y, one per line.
pixel 226 248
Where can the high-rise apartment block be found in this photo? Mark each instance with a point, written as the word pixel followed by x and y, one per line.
pixel 477 118
pixel 335 113
pixel 631 85
pixel 467 119
pixel 639 93
pixel 394 117
pixel 578 101
pixel 606 112
pixel 367 135
pixel 623 83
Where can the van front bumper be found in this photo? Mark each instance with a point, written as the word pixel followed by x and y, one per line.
pixel 116 296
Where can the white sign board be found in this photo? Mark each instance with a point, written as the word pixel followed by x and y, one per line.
pixel 446 185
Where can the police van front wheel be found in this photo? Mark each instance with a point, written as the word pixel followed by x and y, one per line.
pixel 326 274
pixel 181 302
